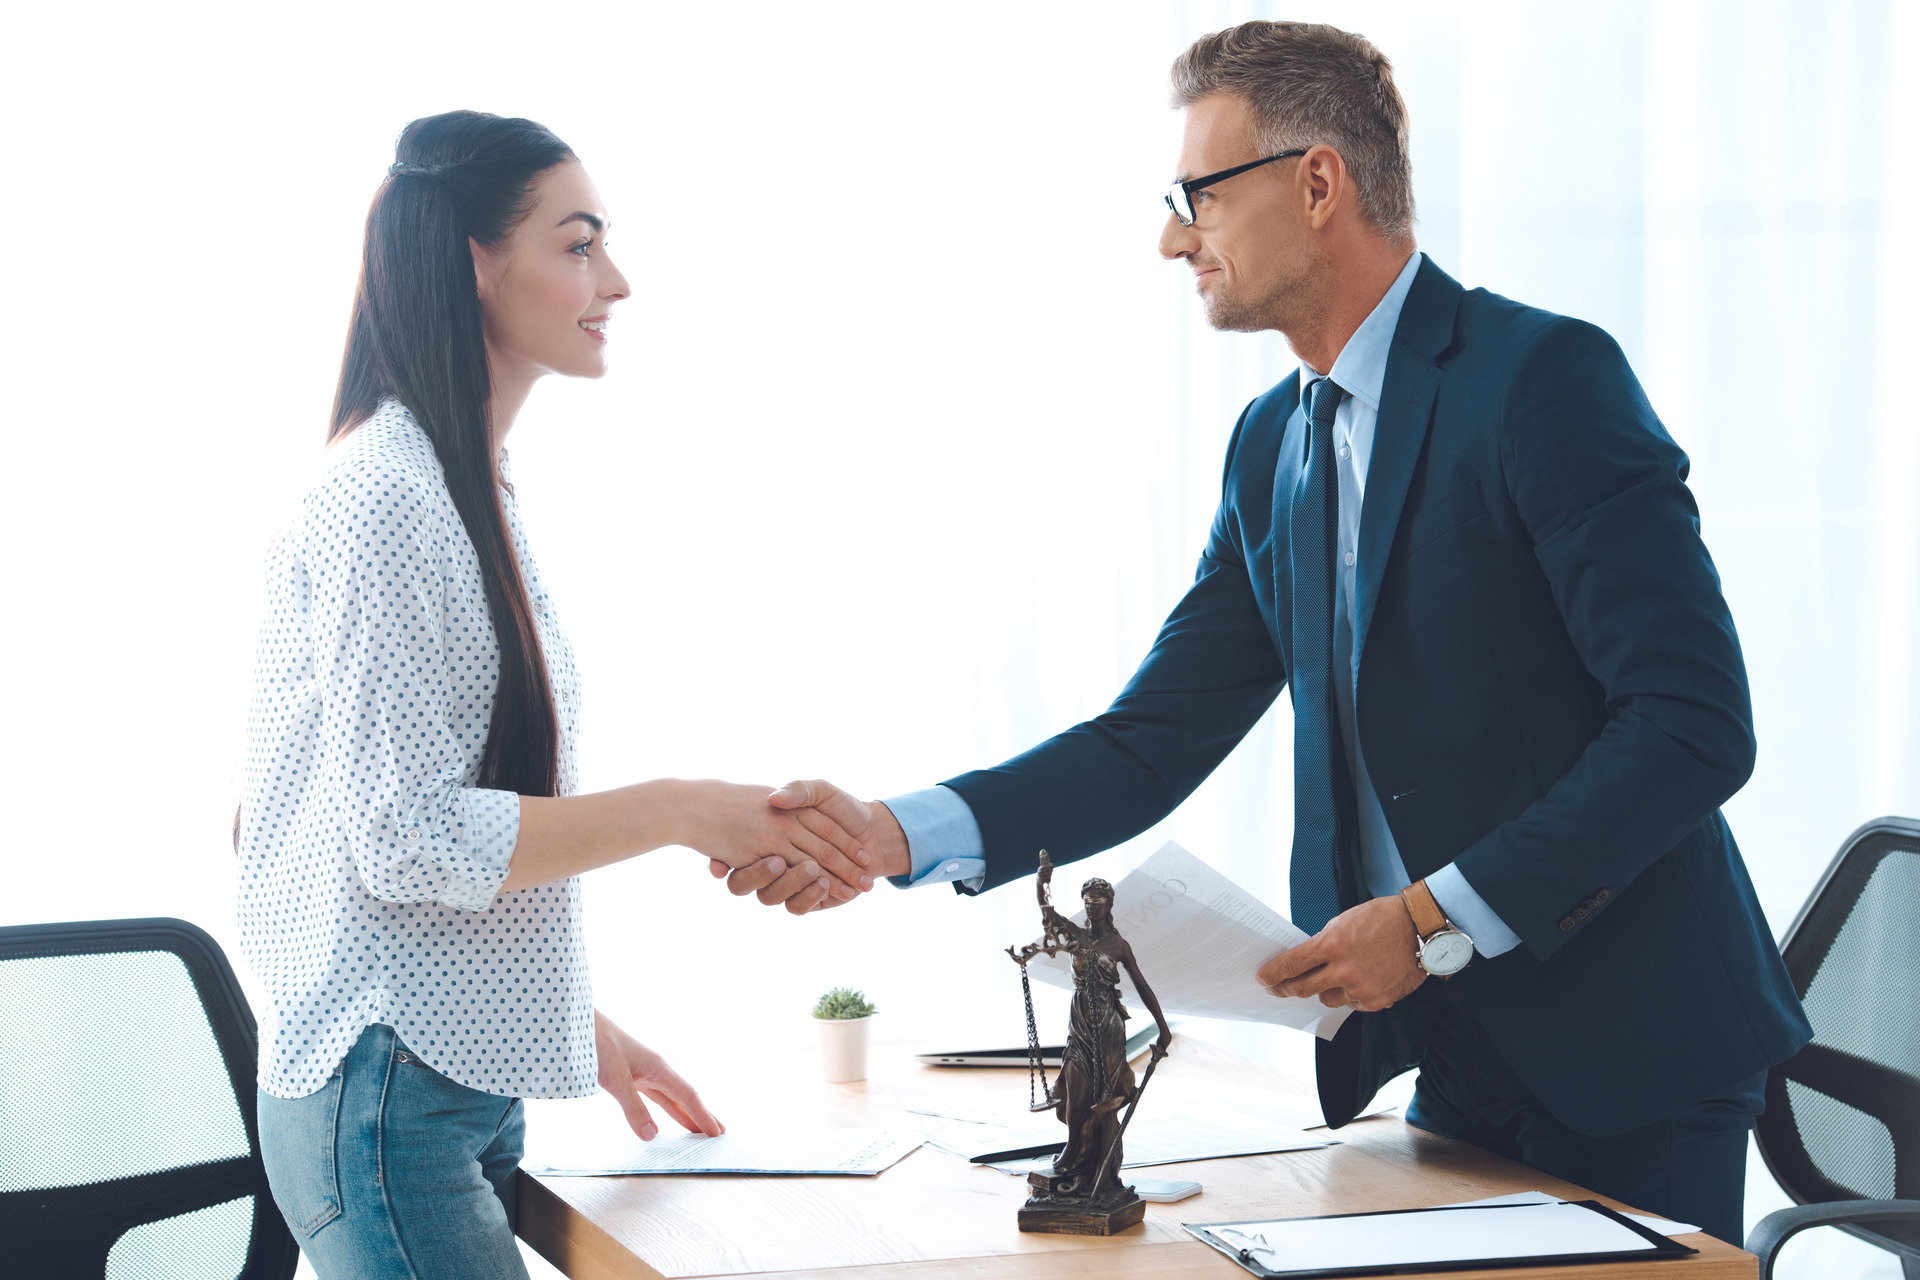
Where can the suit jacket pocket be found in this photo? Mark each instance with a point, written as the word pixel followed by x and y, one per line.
pixel 1445 514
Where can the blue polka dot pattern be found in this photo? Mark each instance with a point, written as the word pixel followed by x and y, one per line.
pixel 370 864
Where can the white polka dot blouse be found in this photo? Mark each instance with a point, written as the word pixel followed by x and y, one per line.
pixel 370 863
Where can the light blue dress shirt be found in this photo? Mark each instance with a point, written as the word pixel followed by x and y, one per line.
pixel 942 835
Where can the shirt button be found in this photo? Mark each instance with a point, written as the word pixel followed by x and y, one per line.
pixel 1349 558
pixel 1345 452
pixel 951 866
pixel 413 833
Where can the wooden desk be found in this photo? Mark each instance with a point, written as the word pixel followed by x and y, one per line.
pixel 933 1215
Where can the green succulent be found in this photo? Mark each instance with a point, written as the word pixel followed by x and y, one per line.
pixel 842 1003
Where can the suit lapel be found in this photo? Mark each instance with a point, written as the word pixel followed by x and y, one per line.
pixel 1406 410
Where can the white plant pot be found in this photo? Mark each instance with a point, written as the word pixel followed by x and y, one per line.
pixel 843 1048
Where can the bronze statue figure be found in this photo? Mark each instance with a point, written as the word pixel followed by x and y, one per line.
pixel 1083 1195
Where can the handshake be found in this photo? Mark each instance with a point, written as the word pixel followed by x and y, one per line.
pixel 810 845
pixel 813 846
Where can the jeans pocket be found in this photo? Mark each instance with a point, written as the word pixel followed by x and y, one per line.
pixel 297 1141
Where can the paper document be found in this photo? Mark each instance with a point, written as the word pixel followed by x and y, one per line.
pixel 1651 1223
pixel 1164 1144
pixel 1432 1238
pixel 1297 1111
pixel 1199 938
pixel 978 1110
pixel 1209 1135
pixel 1166 1131
pixel 848 1151
pixel 971 1141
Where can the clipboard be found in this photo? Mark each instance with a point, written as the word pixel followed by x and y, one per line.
pixel 1655 1245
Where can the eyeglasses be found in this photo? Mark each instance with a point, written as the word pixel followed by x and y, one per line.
pixel 1180 194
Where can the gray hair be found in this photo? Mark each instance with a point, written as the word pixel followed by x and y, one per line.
pixel 1308 84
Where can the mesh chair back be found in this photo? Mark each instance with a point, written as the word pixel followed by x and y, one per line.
pixel 128 1141
pixel 1843 1115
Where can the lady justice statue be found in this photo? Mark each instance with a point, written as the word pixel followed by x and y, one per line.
pixel 1083 1195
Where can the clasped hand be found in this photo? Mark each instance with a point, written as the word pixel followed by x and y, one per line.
pixel 862 832
pixel 803 846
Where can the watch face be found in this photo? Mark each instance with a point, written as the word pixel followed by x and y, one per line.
pixel 1446 952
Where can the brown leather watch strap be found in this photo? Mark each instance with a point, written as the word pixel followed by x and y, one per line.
pixel 1428 918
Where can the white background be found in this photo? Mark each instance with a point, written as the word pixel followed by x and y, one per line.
pixel 911 439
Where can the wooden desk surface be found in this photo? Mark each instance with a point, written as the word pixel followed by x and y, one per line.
pixel 934 1215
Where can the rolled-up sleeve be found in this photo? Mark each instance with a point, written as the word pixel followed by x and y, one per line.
pixel 397 739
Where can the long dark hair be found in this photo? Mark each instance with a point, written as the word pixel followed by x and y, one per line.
pixel 416 337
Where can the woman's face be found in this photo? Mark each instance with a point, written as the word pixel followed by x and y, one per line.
pixel 545 292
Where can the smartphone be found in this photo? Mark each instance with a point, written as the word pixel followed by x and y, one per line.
pixel 1164 1192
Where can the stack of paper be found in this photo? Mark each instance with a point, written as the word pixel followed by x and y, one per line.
pixel 1662 1225
pixel 1172 1141
pixel 1245 1105
pixel 860 1152
pixel 1168 1128
pixel 1199 938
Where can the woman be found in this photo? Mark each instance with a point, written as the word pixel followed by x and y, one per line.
pixel 409 837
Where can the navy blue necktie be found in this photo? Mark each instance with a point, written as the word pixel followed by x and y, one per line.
pixel 1323 805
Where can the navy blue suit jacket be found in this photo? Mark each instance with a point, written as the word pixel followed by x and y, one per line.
pixel 1550 693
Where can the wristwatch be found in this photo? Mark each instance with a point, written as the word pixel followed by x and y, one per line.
pixel 1444 950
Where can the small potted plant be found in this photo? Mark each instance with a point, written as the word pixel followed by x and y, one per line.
pixel 842 1016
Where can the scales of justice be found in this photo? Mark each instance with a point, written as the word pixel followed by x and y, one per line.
pixel 1083 1195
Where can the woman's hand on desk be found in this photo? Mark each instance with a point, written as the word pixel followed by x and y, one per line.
pixel 629 1069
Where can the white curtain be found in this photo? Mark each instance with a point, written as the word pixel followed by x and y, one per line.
pixel 912 440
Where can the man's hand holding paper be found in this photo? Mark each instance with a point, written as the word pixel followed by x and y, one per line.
pixel 1363 959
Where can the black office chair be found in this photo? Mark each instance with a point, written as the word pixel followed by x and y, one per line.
pixel 1841 1132
pixel 128 1141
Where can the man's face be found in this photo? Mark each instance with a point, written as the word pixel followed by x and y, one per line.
pixel 1248 246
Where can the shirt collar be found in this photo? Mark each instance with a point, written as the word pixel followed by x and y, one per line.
pixel 1361 367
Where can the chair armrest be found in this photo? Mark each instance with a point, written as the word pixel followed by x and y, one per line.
pixel 1780 1226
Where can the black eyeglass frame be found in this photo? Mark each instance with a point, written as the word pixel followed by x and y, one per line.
pixel 1187 188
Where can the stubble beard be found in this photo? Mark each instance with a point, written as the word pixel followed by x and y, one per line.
pixel 1228 312
pixel 1286 303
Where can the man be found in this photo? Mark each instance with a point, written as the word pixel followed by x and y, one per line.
pixel 1463 542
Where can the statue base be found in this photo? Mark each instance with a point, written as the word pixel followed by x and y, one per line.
pixel 1049 1214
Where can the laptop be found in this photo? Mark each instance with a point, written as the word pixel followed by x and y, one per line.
pixel 1049 1054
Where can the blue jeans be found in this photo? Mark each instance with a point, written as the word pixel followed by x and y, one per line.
pixel 1690 1167
pixel 393 1170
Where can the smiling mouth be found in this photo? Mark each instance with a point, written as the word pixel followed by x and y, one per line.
pixel 595 328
